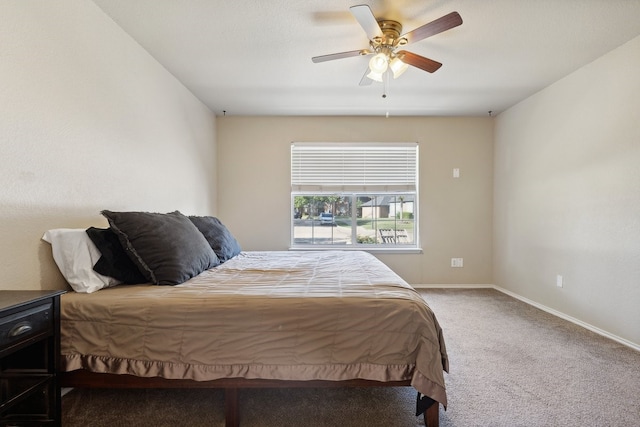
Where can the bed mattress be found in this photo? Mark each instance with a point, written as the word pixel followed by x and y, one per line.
pixel 318 315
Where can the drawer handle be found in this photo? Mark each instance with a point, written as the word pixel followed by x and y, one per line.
pixel 19 329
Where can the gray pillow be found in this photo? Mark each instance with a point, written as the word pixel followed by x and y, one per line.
pixel 219 237
pixel 167 248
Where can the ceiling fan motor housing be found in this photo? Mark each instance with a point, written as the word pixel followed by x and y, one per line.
pixel 391 31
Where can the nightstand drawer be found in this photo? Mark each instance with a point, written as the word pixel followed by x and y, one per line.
pixel 27 323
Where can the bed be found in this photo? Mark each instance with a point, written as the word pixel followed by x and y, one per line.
pixel 260 319
pixel 232 319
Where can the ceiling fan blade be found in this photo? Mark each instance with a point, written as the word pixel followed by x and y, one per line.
pixel 367 20
pixel 418 61
pixel 332 56
pixel 441 24
pixel 365 81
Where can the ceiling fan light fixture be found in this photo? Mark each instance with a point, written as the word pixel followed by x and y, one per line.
pixel 398 67
pixel 378 64
pixel 375 76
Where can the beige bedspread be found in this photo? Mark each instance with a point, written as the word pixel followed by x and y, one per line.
pixel 330 315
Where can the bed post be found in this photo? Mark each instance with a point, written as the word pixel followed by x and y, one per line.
pixel 430 409
pixel 432 415
pixel 231 409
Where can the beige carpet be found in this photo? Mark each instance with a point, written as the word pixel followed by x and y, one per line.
pixel 511 365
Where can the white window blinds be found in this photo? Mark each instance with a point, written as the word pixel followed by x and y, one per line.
pixel 354 167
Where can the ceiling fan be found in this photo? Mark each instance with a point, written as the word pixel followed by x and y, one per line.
pixel 384 41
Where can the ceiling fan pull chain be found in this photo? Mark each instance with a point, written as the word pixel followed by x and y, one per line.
pixel 385 83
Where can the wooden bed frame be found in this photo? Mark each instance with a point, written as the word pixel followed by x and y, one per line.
pixel 86 379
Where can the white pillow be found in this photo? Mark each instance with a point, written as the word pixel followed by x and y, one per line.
pixel 75 254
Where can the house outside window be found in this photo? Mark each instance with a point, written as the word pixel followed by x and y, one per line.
pixel 354 195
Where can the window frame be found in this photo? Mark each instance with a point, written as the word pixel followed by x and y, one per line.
pixel 353 194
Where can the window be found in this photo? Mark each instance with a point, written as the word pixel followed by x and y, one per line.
pixel 360 195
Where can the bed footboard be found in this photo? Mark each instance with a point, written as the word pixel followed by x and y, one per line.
pixel 86 379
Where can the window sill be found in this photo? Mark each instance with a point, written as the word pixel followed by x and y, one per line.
pixel 378 250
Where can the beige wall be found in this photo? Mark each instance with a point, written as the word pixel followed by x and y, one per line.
pixel 88 121
pixel 455 214
pixel 567 195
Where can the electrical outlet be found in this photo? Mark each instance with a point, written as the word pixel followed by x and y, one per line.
pixel 456 262
pixel 559 281
pixel 456 172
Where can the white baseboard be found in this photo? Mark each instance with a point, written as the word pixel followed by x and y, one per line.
pixel 571 319
pixel 454 286
pixel 541 307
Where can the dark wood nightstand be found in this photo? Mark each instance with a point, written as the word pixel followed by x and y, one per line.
pixel 29 349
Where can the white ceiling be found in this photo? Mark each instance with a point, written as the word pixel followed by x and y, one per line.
pixel 253 57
